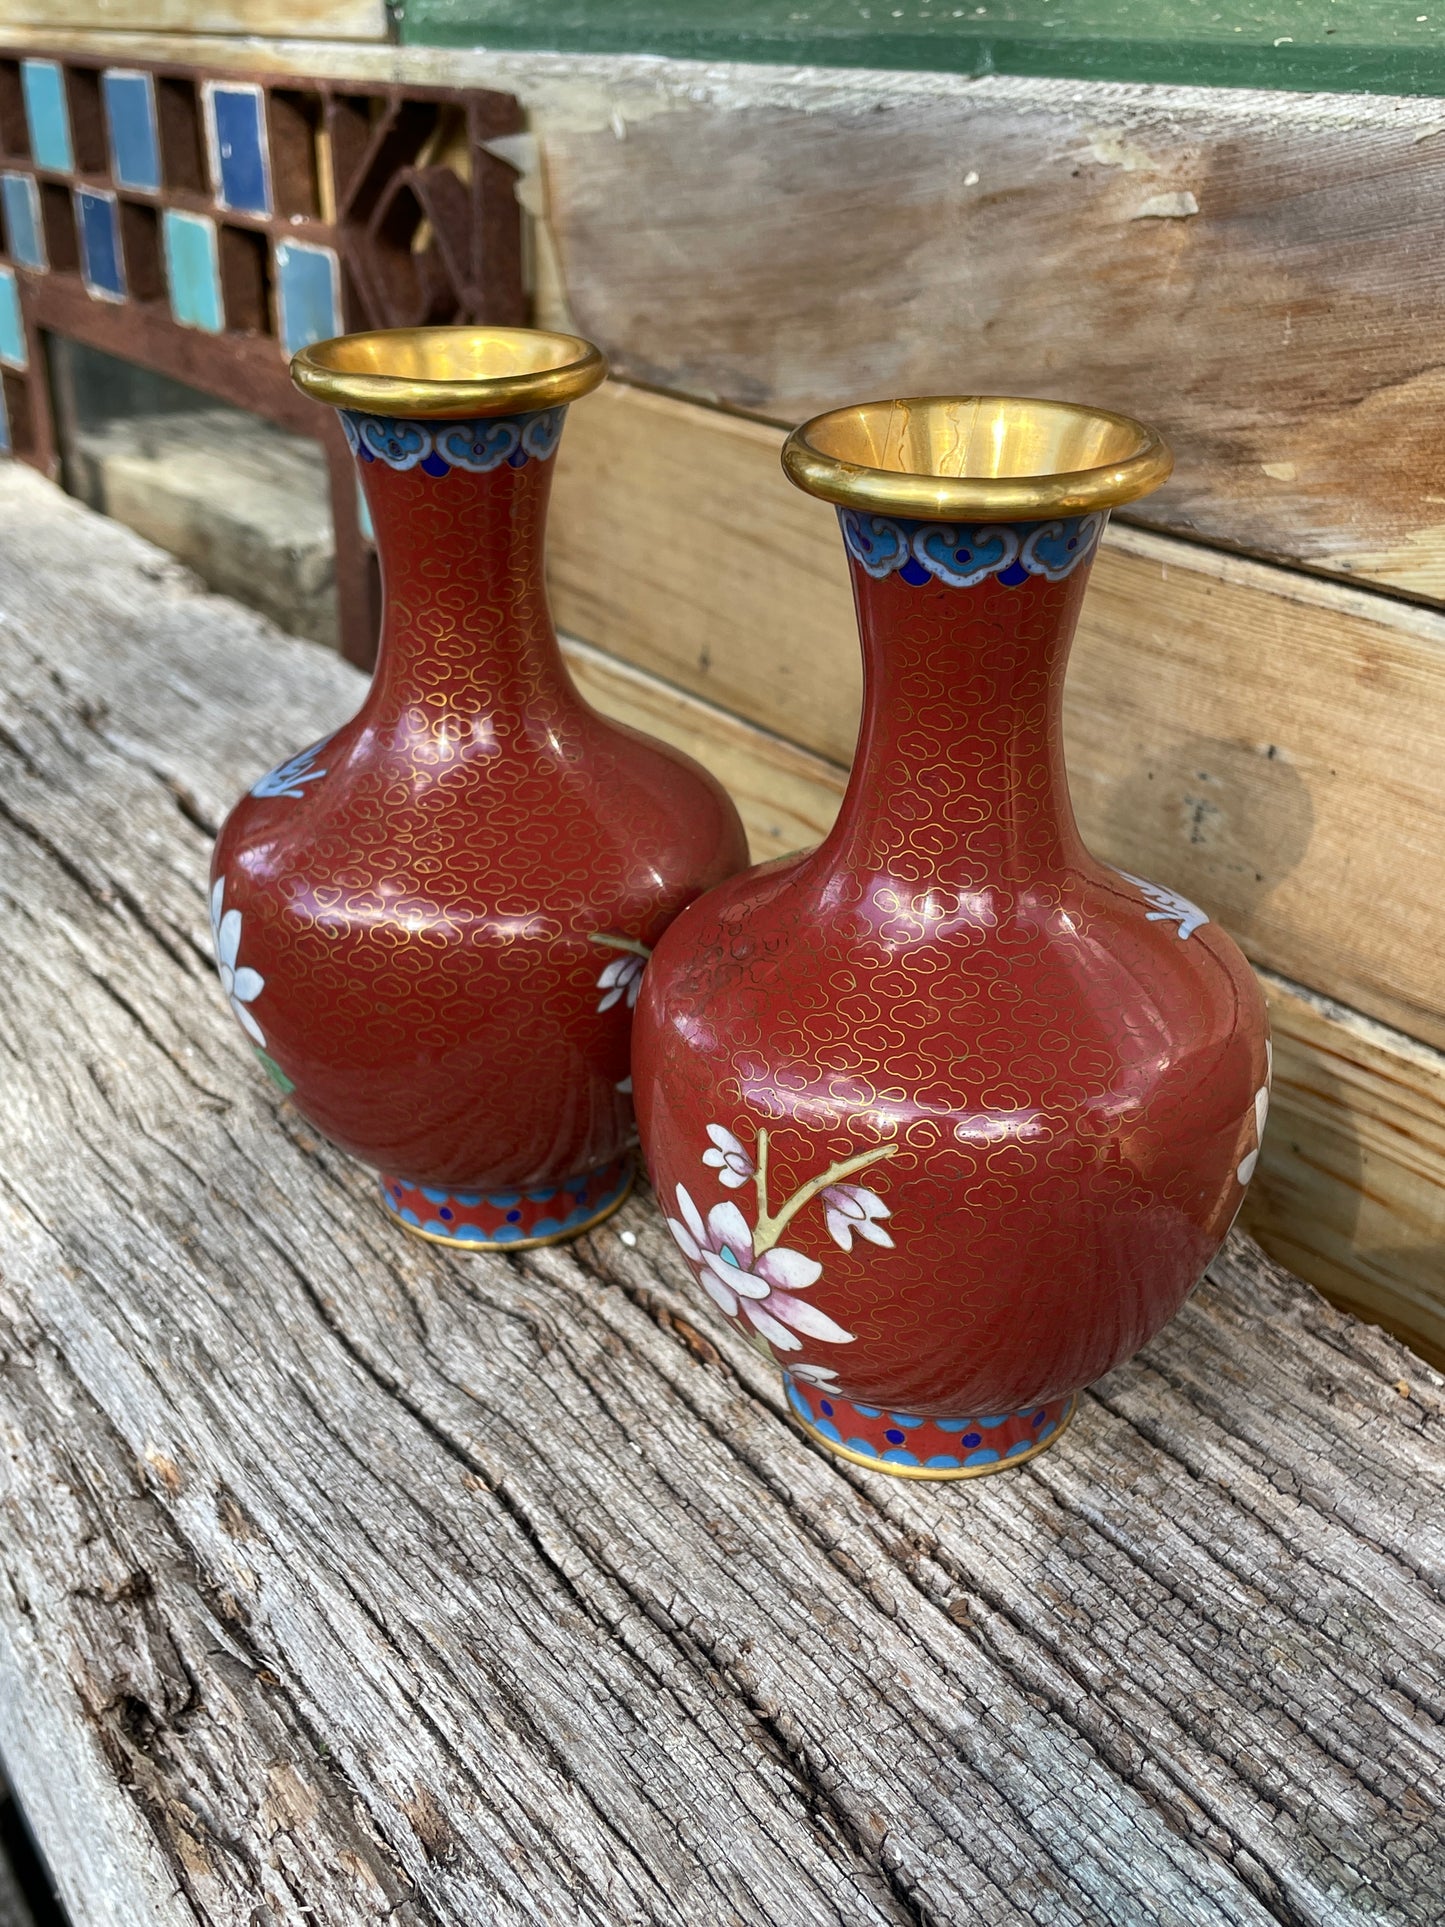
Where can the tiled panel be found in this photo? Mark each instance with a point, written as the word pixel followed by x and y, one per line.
pixel 101 264
pixel 236 135
pixel 308 294
pixel 130 113
pixel 193 271
pixel 24 235
pixel 47 115
pixel 12 325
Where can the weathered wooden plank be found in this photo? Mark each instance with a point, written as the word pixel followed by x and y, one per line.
pixel 1254 271
pixel 325 19
pixel 1267 742
pixel 1350 1191
pixel 503 1589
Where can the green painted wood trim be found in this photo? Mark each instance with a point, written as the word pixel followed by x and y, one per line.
pixel 1339 46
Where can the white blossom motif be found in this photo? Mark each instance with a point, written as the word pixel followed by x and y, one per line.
pixel 1170 907
pixel 745 1268
pixel 622 976
pixel 851 1210
pixel 287 778
pixel 759 1285
pixel 823 1376
pixel 729 1159
pixel 241 984
pixel 1261 1112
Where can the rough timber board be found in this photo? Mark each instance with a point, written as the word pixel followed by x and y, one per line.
pixel 1268 743
pixel 382 1585
pixel 1282 334
pixel 325 19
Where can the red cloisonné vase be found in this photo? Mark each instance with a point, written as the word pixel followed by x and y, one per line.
pixel 949 1115
pixel 431 924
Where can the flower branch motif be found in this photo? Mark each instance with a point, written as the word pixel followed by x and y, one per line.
pixel 623 976
pixel 287 778
pixel 747 1271
pixel 241 984
pixel 1170 907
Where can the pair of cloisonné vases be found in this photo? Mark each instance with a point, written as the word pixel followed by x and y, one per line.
pixel 949 1116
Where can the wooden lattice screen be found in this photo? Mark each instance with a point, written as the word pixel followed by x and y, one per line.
pixel 207 225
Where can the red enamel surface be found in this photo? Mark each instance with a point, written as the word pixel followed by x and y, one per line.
pixel 423 915
pixel 1067 1086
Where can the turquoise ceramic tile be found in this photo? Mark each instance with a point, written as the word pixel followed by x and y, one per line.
pixel 130 115
pixel 193 271
pixel 236 132
pixel 47 115
pixel 24 236
pixel 308 293
pixel 101 265
pixel 12 326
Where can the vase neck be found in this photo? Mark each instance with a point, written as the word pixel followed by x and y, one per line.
pixel 959 779
pixel 458 509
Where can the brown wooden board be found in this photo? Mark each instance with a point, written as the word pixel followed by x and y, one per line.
pixel 346 1580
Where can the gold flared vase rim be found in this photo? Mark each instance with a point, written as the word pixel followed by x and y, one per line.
pixel 449 373
pixel 976 458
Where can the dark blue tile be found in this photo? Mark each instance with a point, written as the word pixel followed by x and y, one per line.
pixel 236 127
pixel 24 237
pixel 98 219
pixel 130 113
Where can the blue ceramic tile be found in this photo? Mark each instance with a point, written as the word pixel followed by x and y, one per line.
pixel 12 327
pixel 308 292
pixel 47 114
pixel 237 130
pixel 193 271
pixel 98 219
pixel 24 237
pixel 130 113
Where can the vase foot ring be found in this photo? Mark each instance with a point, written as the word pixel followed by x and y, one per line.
pixel 510 1220
pixel 927 1448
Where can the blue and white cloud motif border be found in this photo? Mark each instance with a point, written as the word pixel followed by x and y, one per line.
pixel 435 447
pixel 962 557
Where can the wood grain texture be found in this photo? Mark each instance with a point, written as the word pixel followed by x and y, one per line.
pixel 325 19
pixel 1266 742
pixel 1350 1191
pixel 367 1582
pixel 913 232
pixel 1252 275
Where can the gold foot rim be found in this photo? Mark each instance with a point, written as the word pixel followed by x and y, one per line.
pixel 520 1244
pixel 933 1472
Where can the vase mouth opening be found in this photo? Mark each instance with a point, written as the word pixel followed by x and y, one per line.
pixel 452 373
pixel 998 458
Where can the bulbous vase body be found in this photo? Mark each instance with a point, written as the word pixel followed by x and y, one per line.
pixel 431 924
pixel 948 1114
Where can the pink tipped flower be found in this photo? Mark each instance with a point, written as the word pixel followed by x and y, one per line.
pixel 733 1165
pixel 850 1209
pixel 759 1289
